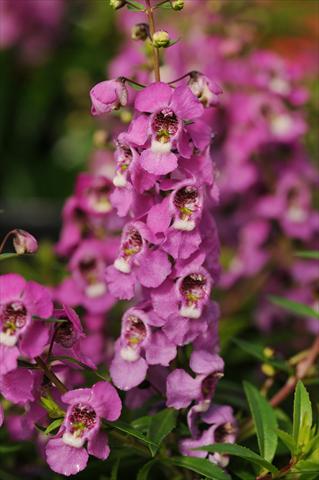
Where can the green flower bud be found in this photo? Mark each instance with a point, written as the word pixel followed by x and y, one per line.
pixel 116 4
pixel 140 31
pixel 177 4
pixel 161 39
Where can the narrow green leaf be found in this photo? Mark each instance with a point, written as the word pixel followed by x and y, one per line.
pixel 295 307
pixel 53 425
pixel 115 469
pixel 142 423
pixel 265 422
pixel 314 255
pixel 135 6
pixel 161 425
pixel 145 470
pixel 127 428
pixel 201 466
pixel 302 416
pixel 6 256
pixel 239 451
pixel 286 439
pixel 133 85
pixel 9 448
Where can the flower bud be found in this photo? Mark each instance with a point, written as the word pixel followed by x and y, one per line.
pixel 24 242
pixel 140 31
pixel 116 4
pixel 206 91
pixel 177 4
pixel 161 39
pixel 107 96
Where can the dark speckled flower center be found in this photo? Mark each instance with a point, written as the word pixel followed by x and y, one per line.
pixel 133 243
pixel 135 331
pixel 125 157
pixel 194 287
pixel 65 334
pixel 186 200
pixel 82 418
pixel 209 385
pixel 14 317
pixel 88 269
pixel 165 124
pixel 223 431
pixel 98 198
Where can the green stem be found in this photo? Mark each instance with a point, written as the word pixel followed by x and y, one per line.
pixel 150 16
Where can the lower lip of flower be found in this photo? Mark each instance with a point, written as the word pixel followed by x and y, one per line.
pixel 134 334
pixel 13 319
pixel 186 201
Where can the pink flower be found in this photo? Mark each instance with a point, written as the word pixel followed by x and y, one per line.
pixel 206 90
pixel 24 242
pixel 1 416
pixel 137 261
pixel 169 110
pixel 141 344
pixel 19 301
pixel 107 96
pixel 183 389
pixel 81 434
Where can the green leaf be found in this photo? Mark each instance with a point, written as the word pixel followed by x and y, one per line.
pixel 142 423
pixel 257 351
pixel 239 451
pixel 165 5
pixel 9 448
pixel 133 85
pixel 53 409
pixel 127 428
pixel 135 6
pixel 201 466
pixel 77 362
pixel 6 256
pixel 314 255
pixel 161 425
pixel 295 307
pixel 145 470
pixel 53 425
pixel 286 439
pixel 265 422
pixel 115 469
pixel 302 417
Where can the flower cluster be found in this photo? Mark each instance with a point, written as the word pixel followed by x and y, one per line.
pixel 168 258
pixel 266 209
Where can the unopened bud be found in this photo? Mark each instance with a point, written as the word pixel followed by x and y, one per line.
pixel 161 39
pixel 24 242
pixel 268 370
pixel 268 352
pixel 140 31
pixel 177 4
pixel 116 4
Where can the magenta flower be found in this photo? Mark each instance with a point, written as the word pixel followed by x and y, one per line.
pixel 107 96
pixel 68 336
pixel 87 285
pixel 205 89
pixel 183 389
pixel 137 262
pixel 169 109
pixel 216 425
pixel 19 301
pixel 140 345
pixel 80 434
pixel 93 194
